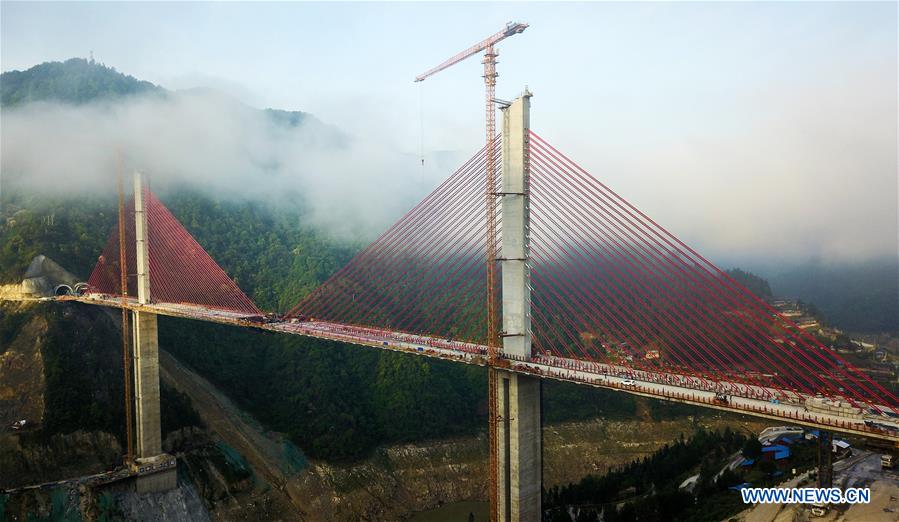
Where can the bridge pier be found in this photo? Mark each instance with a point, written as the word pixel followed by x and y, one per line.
pixel 825 459
pixel 146 385
pixel 519 459
pixel 157 469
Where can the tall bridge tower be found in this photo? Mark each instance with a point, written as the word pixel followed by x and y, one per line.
pixel 519 462
pixel 149 455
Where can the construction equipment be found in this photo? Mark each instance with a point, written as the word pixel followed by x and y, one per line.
pixel 126 327
pixel 511 28
pixel 490 54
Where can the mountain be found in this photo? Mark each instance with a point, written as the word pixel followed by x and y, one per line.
pixel 78 81
pixel 860 297
pixel 754 283
pixel 269 251
pixel 74 81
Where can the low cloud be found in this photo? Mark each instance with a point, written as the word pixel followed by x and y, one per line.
pixel 780 175
pixel 350 187
pixel 806 176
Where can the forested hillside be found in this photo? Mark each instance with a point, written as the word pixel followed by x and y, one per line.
pixel 70 231
pixel 273 258
pixel 859 297
pixel 77 81
pixel 651 489
pixel 754 283
pixel 74 81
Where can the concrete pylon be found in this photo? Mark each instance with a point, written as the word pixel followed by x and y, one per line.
pixel 158 467
pixel 516 289
pixel 519 413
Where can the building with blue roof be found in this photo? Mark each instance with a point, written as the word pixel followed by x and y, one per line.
pixel 776 452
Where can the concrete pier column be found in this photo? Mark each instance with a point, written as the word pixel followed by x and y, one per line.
pixel 520 473
pixel 825 459
pixel 146 385
pixel 519 416
pixel 157 469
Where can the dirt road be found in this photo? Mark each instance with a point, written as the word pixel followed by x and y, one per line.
pixel 235 427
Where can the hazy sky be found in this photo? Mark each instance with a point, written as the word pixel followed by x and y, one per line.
pixel 748 129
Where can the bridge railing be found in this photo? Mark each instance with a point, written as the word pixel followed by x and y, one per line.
pixel 589 372
pixel 700 399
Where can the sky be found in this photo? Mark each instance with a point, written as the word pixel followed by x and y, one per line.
pixel 751 130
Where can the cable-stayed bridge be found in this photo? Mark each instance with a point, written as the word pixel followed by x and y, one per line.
pixel 593 292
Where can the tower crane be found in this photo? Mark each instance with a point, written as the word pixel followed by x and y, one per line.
pixel 512 28
pixel 489 61
pixel 490 74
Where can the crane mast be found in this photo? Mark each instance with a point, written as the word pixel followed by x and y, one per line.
pixel 490 74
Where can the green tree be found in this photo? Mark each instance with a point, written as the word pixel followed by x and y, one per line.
pixel 752 449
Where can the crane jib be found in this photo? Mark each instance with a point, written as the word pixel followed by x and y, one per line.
pixel 510 29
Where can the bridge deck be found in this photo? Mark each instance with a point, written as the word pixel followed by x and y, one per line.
pixel 741 398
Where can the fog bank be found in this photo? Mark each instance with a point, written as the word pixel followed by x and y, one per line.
pixel 350 186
